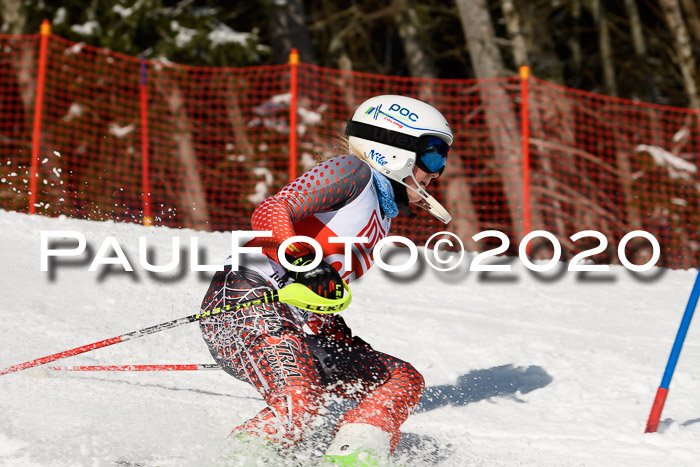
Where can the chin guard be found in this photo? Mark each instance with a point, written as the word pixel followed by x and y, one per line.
pixel 431 205
pixel 428 203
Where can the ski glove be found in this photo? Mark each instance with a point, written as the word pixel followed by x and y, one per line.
pixel 323 280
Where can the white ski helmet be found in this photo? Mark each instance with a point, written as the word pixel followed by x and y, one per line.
pixel 393 133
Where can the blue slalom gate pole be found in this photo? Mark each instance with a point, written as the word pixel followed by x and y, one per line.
pixel 662 392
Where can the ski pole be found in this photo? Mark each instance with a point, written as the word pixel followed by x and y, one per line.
pixel 293 294
pixel 166 367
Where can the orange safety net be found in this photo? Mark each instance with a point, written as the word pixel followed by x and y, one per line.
pixel 123 138
pixel 18 72
pixel 615 166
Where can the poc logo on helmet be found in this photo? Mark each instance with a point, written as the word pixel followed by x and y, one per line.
pixel 404 111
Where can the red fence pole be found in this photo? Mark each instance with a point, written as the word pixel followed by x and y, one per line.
pixel 145 184
pixel 525 142
pixel 38 108
pixel 294 67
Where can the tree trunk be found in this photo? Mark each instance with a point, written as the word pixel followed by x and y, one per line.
pixel 541 48
pixel 26 72
pixel 626 183
pixel 190 193
pixel 684 51
pixel 238 123
pixel 547 182
pixel 502 122
pixel 692 17
pixel 517 38
pixel 26 67
pixel 465 221
pixel 640 47
pixel 540 41
pixel 574 42
pixel 419 59
pixel 605 46
pixel 193 200
pixel 289 30
pixel 481 38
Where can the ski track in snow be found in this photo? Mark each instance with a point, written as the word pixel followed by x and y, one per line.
pixel 520 370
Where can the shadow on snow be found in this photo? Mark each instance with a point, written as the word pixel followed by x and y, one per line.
pixel 477 385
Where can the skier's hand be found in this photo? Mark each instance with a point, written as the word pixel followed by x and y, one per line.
pixel 323 280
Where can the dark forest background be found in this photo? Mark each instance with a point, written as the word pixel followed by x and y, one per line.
pixel 638 49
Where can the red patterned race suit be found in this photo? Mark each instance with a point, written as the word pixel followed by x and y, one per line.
pixel 291 356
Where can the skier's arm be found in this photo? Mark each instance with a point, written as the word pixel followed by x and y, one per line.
pixel 329 185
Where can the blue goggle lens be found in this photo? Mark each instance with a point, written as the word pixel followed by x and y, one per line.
pixel 435 156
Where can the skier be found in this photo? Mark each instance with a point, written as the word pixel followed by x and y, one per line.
pixel 396 146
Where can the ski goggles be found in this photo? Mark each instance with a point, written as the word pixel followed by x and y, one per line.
pixel 431 150
pixel 434 158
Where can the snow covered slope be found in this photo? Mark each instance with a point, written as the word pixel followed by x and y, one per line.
pixel 521 368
